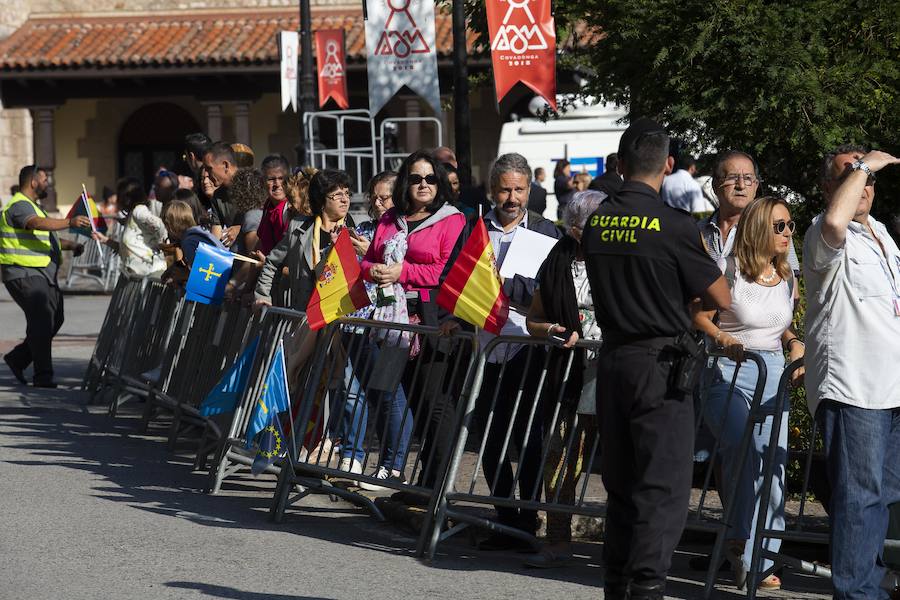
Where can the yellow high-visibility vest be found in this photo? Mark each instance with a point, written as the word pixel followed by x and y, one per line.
pixel 24 247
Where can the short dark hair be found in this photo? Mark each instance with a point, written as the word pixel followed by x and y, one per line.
pixel 370 190
pixel 612 162
pixel 560 165
pixel 686 161
pixel 197 143
pixel 538 171
pixel 401 186
pixel 130 193
pixel 190 198
pixel 248 189
pixel 26 174
pixel 168 192
pixel 221 151
pixel 646 154
pixel 323 183
pixel 723 157
pixel 828 159
pixel 273 161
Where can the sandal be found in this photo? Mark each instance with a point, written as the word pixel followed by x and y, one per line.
pixel 772 582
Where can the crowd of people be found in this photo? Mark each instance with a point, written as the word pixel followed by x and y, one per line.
pixel 625 269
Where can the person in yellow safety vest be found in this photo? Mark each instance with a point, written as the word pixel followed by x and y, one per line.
pixel 30 255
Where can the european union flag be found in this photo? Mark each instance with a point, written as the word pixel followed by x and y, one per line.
pixel 270 445
pixel 273 399
pixel 224 395
pixel 209 275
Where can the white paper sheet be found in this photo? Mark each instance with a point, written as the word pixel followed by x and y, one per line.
pixel 526 253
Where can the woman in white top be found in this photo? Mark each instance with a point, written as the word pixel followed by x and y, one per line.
pixel 762 308
pixel 142 234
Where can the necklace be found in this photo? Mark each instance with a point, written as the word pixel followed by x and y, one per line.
pixel 767 279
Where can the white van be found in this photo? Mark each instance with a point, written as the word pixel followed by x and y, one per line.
pixel 583 135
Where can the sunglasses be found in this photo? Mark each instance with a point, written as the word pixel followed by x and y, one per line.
pixel 416 179
pixel 780 226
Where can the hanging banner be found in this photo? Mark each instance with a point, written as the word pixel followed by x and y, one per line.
pixel 332 67
pixel 401 50
pixel 523 46
pixel 288 45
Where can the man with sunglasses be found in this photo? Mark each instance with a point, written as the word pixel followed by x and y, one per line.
pixel 852 271
pixel 735 181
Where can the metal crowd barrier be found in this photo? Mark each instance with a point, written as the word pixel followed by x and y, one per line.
pixel 96 264
pixel 149 336
pixel 121 328
pixel 106 337
pixel 517 406
pixel 231 453
pixel 805 524
pixel 408 370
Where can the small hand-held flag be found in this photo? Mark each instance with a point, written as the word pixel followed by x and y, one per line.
pixel 209 275
pixel 224 395
pixel 472 289
pixel 339 287
pixel 86 207
pixel 273 399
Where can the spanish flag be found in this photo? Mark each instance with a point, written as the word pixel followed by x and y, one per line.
pixel 472 289
pixel 85 206
pixel 339 289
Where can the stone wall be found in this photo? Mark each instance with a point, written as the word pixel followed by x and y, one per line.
pixel 15 125
pixel 65 6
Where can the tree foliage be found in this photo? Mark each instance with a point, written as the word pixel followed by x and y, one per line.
pixel 785 81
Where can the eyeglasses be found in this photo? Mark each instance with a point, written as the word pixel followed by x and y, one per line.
pixel 747 180
pixel 383 199
pixel 416 179
pixel 780 226
pixel 338 195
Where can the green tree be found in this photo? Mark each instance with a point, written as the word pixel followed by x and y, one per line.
pixel 783 81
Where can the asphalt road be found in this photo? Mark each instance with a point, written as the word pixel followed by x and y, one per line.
pixel 91 511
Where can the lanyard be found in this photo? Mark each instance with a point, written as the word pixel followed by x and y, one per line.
pixel 883 261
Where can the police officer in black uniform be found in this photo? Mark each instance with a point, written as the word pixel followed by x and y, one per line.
pixel 646 263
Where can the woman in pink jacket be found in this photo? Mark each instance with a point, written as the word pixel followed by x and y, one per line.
pixel 411 247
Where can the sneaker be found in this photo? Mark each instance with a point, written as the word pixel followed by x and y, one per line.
pixel 351 465
pixel 382 474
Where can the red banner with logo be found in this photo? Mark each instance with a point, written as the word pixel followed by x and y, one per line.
pixel 523 46
pixel 331 66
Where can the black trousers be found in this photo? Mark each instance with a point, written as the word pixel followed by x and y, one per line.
pixel 530 469
pixel 42 304
pixel 647 437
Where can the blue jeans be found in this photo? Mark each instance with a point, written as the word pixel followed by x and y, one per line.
pixel 393 419
pixel 862 447
pixel 351 416
pixel 727 418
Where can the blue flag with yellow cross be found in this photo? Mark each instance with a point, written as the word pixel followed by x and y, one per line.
pixel 273 399
pixel 209 275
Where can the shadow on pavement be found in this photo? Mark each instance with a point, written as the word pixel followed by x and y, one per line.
pixel 220 591
pixel 62 431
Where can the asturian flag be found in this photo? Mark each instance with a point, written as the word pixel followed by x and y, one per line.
pixel 209 275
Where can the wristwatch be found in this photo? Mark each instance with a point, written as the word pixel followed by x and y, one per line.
pixel 861 166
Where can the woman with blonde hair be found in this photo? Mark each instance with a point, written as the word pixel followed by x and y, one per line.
pixel 762 307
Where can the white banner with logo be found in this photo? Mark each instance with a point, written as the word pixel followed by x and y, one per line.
pixel 288 48
pixel 401 50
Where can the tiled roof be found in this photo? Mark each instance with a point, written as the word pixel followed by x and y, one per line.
pixel 183 38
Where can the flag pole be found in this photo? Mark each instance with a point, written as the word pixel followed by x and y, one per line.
pixel 87 210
